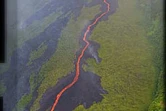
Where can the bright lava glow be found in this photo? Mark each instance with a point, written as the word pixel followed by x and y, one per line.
pixel 79 57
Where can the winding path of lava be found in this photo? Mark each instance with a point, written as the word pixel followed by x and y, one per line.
pixel 80 56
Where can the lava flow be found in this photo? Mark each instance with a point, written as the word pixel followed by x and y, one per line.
pixel 79 57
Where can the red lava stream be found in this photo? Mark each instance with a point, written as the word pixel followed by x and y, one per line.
pixel 79 57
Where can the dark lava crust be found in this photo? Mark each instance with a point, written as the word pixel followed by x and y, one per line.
pixel 85 91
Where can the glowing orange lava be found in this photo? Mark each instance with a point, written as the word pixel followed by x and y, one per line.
pixel 79 57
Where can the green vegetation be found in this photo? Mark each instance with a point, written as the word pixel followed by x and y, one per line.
pixel 37 53
pixel 23 102
pixel 154 30
pixel 158 103
pixel 61 63
pixel 153 22
pixel 32 82
pixel 127 68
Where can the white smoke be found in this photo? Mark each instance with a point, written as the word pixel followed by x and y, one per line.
pixel 91 50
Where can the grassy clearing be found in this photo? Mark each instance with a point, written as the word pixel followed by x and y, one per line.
pixel 61 62
pixel 127 69
pixel 25 99
pixel 37 53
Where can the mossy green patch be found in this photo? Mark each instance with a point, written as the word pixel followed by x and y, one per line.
pixel 32 82
pixel 61 63
pixel 25 99
pixel 158 104
pixel 37 53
